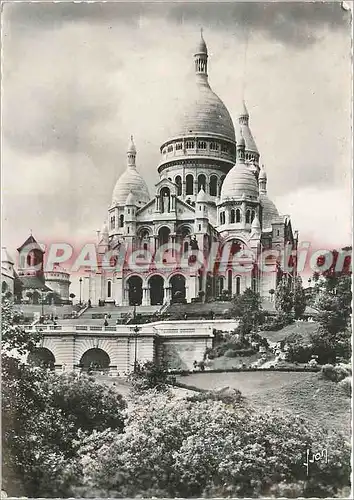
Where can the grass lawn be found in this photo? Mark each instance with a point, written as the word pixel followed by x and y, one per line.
pixel 305 329
pixel 306 394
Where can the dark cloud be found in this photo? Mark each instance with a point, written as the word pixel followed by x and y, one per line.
pixel 288 22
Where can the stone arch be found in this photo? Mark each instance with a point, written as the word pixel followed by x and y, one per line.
pixel 178 287
pixel 95 359
pixel 135 290
pixel 42 356
pixel 156 284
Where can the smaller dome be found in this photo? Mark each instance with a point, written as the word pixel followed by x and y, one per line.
pixel 270 211
pixel 130 199
pixel 202 196
pixel 240 182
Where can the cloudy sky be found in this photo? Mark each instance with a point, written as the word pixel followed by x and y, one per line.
pixel 78 79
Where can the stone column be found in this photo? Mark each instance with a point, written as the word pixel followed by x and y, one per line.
pixel 145 297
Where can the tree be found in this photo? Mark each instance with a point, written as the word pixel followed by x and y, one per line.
pixel 248 308
pixel 284 296
pixel 299 298
pixel 151 375
pixel 44 417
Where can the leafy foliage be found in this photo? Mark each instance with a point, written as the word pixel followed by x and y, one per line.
pixel 248 308
pixel 284 299
pixel 179 448
pixel 299 298
pixel 151 376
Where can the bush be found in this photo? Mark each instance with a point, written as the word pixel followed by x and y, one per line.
pixel 230 353
pixel 346 386
pixel 334 373
pixel 210 448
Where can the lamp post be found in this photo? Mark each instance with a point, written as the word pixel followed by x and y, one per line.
pixel 80 281
pixel 135 331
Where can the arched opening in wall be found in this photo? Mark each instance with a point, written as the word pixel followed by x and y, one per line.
pixel 178 288
pixel 248 216
pixel 238 285
pixel 113 222
pixel 220 285
pixel 253 214
pixel 43 357
pixel 232 216
pixel 238 215
pixel 135 291
pixel 95 360
pixel 189 184
pixel 36 298
pixel 185 247
pixel 221 183
pixel 178 181
pixel 213 185
pixel 201 182
pixel 229 281
pixel 121 220
pixel 163 235
pixel 165 199
pixel 4 287
pixel 109 289
pixel 156 285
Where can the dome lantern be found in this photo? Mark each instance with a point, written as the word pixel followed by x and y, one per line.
pixel 201 58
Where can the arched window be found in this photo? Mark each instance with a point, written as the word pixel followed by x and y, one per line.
pixel 121 220
pixel 145 246
pixel 214 146
pixel 189 184
pixel 185 247
pixel 213 185
pixel 201 182
pixel 232 216
pixel 189 144
pixel 3 287
pixel 229 280
pixel 113 222
pixel 238 215
pixel 201 144
pixel 179 145
pixel 253 214
pixel 221 182
pixel 109 289
pixel 169 149
pixel 248 216
pixel 222 218
pixel 178 181
pixel 238 285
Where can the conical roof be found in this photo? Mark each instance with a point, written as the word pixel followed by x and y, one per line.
pixel 202 196
pixel 5 257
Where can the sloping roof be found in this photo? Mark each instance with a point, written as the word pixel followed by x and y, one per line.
pixel 5 257
pixel 33 282
pixel 30 241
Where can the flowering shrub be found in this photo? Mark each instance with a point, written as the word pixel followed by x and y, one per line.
pixel 173 447
pixel 346 386
pixel 335 373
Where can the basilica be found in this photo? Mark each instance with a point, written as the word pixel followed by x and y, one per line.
pixel 211 191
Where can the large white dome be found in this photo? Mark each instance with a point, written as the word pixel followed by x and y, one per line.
pixel 240 182
pixel 130 181
pixel 204 113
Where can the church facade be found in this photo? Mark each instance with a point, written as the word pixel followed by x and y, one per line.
pixel 211 200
